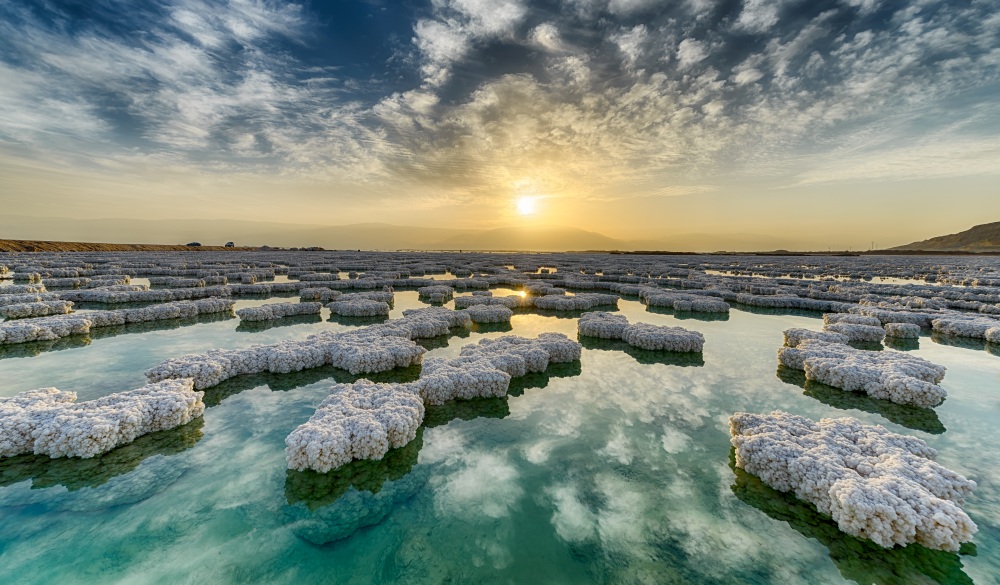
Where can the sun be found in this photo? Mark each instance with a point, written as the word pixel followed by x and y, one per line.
pixel 526 205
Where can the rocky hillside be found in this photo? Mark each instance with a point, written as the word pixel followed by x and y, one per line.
pixel 981 238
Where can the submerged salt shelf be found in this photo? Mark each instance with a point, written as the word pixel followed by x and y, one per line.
pixel 590 467
pixel 875 484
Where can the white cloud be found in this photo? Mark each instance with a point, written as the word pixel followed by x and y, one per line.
pixel 689 52
pixel 630 43
pixel 758 16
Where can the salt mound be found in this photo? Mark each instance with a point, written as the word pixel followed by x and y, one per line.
pixel 56 326
pixel 358 307
pixel 831 318
pixel 795 336
pixel 890 375
pixel 278 310
pixel 580 302
pixel 49 422
pixel 642 335
pixel 977 327
pixel 357 421
pixel 36 309
pixel 902 330
pixel 485 369
pixel 602 324
pixel 663 337
pixel 436 293
pixel 875 484
pixel 857 332
pixel 489 314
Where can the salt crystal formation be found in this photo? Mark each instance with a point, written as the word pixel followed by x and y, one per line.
pixel 856 332
pixel 510 301
pixel 832 318
pixel 485 369
pixel 54 327
pixel 642 335
pixel 50 422
pixel 977 327
pixel 22 289
pixel 377 348
pixel 682 301
pixel 323 295
pixel 38 309
pixel 890 375
pixel 278 310
pixel 17 299
pixel 663 338
pixel 358 307
pixel 602 324
pixel 902 330
pixel 27 277
pixel 489 314
pixel 364 420
pixel 357 421
pixel 795 336
pixel 875 484
pixel 436 293
pixel 580 302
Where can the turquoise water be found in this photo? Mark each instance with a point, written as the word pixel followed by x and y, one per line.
pixel 613 470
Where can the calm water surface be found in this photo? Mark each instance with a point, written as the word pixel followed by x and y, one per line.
pixel 613 470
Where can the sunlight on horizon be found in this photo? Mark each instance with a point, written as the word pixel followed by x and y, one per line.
pixel 527 205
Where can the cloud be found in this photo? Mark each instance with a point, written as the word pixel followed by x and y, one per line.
pixel 597 100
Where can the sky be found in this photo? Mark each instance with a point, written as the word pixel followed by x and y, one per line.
pixel 816 122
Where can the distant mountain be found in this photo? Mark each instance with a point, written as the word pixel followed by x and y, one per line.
pixel 360 236
pixel 981 238
pixel 537 238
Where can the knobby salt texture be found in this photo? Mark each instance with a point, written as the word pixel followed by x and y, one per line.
pixel 49 421
pixel 875 484
pixel 278 310
pixel 364 420
pixel 357 421
pixel 642 335
pixel 890 375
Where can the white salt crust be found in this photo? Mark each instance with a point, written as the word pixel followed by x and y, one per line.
pixel 489 314
pixel 889 375
pixel 831 318
pixel 278 310
pixel 976 327
pixel 357 421
pixel 795 336
pixel 856 332
pixel 357 307
pixel 54 327
pixel 49 421
pixel 602 325
pixel 903 330
pixel 364 420
pixel 642 335
pixel 875 484
pixel 36 309
pixel 377 348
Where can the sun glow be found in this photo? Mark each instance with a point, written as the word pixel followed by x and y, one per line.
pixel 526 205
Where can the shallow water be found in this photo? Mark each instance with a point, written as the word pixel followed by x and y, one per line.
pixel 616 469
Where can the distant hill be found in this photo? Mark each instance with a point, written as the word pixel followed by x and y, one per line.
pixel 981 238
pixel 360 236
pixel 46 246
